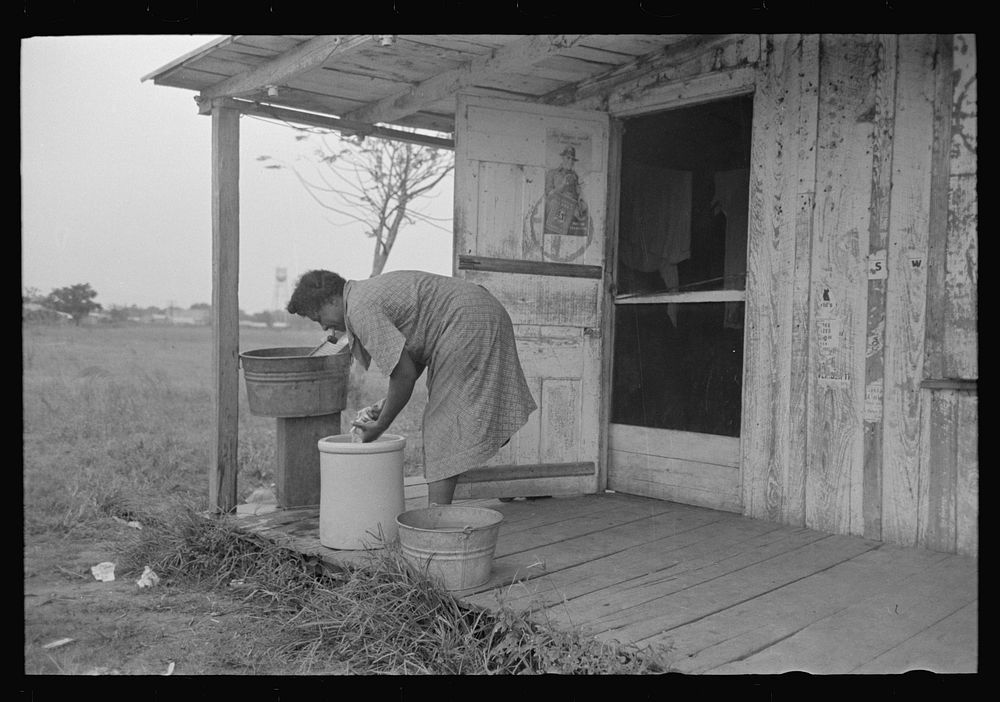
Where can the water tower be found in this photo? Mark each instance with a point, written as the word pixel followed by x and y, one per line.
pixel 280 292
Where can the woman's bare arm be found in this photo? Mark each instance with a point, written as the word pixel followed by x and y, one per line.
pixel 401 381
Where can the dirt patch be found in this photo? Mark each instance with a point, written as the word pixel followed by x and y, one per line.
pixel 119 629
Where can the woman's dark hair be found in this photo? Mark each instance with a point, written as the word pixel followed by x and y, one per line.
pixel 313 290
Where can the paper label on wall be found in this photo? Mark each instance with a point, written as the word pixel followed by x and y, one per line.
pixel 875 340
pixel 824 308
pixel 828 333
pixel 876 265
pixel 873 401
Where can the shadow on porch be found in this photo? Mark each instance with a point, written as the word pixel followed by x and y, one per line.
pixel 726 593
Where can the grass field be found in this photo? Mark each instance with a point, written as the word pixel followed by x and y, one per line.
pixel 113 411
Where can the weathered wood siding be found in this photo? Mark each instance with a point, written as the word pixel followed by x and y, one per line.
pixel 909 228
pixel 862 279
pixel 861 274
pixel 878 241
pixel 948 474
pixel 781 200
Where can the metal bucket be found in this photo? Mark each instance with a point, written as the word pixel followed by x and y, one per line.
pixel 288 382
pixel 455 544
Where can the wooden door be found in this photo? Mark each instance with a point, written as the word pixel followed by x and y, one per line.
pixel 530 198
pixel 680 279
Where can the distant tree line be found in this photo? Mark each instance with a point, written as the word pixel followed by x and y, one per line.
pixel 77 301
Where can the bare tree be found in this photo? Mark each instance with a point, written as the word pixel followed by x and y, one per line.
pixel 379 183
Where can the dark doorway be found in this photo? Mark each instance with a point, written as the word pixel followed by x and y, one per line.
pixel 681 276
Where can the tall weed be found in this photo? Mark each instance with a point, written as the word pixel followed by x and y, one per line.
pixel 384 617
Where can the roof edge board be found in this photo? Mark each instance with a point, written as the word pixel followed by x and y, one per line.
pixel 195 54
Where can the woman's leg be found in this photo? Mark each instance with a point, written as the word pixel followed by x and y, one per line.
pixel 440 492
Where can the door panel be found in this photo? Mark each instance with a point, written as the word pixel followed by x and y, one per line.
pixel 509 190
pixel 561 410
pixel 701 448
pixel 676 407
pixel 641 461
pixel 698 469
pixel 530 186
pixel 559 303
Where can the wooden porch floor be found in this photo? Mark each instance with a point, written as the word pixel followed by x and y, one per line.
pixel 725 593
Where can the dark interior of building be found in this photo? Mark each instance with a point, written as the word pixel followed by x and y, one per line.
pixel 683 228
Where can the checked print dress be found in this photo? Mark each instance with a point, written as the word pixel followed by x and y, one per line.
pixel 477 397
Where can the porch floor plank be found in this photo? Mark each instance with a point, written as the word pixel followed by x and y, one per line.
pixel 740 631
pixel 653 608
pixel 527 515
pixel 852 637
pixel 723 593
pixel 955 636
pixel 689 565
pixel 626 517
pixel 531 559
pixel 675 551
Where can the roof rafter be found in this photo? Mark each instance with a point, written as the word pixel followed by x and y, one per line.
pixel 304 57
pixel 348 127
pixel 523 52
pixel 666 56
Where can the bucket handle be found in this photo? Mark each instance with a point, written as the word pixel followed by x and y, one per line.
pixel 466 530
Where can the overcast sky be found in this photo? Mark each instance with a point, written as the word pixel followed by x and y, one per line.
pixel 116 186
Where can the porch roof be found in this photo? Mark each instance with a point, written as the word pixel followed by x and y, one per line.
pixel 407 80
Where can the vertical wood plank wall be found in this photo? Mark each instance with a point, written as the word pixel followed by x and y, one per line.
pixel 781 196
pixel 961 347
pixel 615 134
pixel 862 280
pixel 961 342
pixel 878 241
pixel 838 305
pixel 909 230
pixel 948 495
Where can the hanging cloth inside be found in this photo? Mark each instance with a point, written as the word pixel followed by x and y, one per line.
pixel 658 215
pixel 732 198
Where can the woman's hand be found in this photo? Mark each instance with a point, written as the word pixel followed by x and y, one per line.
pixel 366 426
pixel 401 381
pixel 369 430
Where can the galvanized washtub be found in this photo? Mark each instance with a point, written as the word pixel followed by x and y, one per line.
pixel 454 543
pixel 288 382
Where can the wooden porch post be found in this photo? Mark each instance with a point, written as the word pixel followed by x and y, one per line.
pixel 225 305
